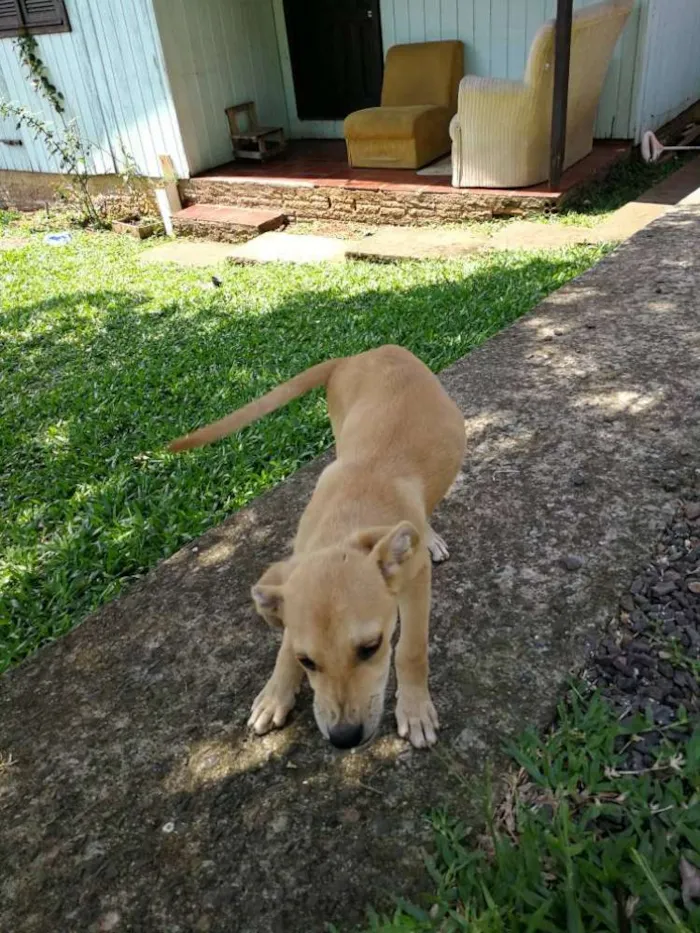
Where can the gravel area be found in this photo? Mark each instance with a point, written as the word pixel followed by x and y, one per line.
pixel 651 660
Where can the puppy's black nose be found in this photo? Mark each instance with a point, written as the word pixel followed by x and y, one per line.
pixel 345 735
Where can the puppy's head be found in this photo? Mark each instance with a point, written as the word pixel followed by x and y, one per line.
pixel 339 609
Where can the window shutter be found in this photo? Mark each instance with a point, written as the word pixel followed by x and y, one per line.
pixel 10 17
pixel 42 13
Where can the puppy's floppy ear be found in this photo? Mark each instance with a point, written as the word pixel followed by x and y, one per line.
pixel 268 593
pixel 391 548
pixel 366 539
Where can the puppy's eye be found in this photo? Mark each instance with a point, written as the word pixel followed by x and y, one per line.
pixel 307 663
pixel 365 652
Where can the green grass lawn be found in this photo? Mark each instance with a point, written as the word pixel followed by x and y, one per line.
pixel 629 178
pixel 103 360
pixel 578 843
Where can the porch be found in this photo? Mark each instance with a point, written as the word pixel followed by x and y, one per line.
pixel 314 181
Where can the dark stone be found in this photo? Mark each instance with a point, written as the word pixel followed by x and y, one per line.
pixel 663 715
pixel 620 664
pixel 610 646
pixel 572 562
pixel 655 692
pixel 639 761
pixel 665 588
pixel 648 742
pixel 664 683
pixel 627 684
pixel 627 602
pixel 645 661
pixel 639 621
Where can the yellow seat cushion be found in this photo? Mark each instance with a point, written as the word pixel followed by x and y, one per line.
pixel 396 122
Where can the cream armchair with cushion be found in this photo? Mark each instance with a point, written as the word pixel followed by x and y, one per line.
pixel 502 130
pixel 419 97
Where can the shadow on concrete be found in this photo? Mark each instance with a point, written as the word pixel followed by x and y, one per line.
pixel 137 798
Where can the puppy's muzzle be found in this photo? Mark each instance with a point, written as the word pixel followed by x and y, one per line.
pixel 346 735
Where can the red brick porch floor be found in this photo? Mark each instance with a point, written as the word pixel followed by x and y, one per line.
pixel 313 180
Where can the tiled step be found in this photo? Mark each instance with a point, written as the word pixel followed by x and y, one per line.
pixel 222 222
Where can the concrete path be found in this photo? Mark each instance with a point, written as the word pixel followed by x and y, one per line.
pixel 188 252
pixel 283 247
pixel 137 801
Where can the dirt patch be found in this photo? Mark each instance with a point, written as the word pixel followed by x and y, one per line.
pixel 9 243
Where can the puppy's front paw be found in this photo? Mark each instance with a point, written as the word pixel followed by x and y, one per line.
pixel 416 718
pixel 271 708
pixel 437 548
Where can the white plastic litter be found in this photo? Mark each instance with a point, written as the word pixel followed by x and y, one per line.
pixel 57 239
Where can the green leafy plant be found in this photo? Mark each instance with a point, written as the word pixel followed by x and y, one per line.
pixel 28 52
pixel 65 142
pixel 75 156
pixel 67 146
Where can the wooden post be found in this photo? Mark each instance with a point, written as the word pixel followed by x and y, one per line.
pixel 167 194
pixel 560 95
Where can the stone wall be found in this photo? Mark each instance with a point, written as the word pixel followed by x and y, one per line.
pixel 364 204
pixel 28 191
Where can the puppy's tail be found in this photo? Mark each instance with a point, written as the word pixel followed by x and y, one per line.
pixel 310 379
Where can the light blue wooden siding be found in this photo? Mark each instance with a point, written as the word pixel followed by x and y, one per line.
pixel 670 66
pixel 219 53
pixel 111 71
pixel 498 33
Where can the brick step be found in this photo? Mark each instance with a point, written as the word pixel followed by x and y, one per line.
pixel 223 222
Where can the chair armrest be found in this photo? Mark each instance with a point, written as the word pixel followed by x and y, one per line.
pixel 494 133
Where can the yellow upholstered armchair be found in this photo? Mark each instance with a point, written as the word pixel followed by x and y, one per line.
pixel 502 130
pixel 419 97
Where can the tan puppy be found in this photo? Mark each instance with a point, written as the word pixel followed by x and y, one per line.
pixel 362 550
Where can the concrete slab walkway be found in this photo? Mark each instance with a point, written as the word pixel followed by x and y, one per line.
pixel 188 253
pixel 137 801
pixel 281 247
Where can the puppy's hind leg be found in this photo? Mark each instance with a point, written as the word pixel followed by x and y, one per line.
pixel 437 547
pixel 274 703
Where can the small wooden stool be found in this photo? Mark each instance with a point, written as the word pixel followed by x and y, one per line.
pixel 252 141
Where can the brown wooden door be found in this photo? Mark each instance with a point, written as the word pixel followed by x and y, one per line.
pixel 336 52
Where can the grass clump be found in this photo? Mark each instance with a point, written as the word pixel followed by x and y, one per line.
pixel 625 182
